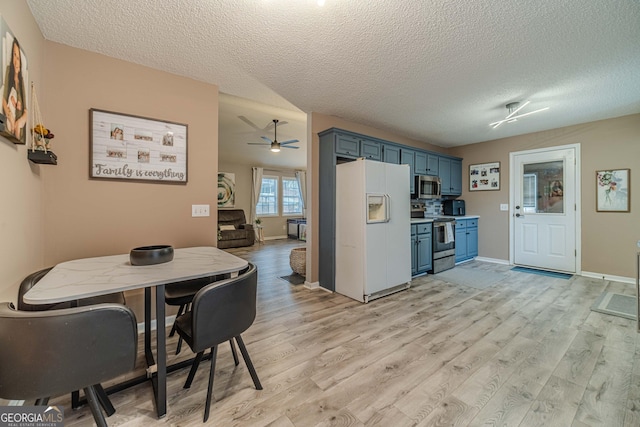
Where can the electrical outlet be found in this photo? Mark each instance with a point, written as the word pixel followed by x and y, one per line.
pixel 199 210
pixel 504 207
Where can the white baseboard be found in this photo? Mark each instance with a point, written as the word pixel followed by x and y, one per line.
pixel 609 277
pixel 167 321
pixel 493 260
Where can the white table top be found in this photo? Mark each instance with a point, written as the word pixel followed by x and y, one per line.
pixel 89 277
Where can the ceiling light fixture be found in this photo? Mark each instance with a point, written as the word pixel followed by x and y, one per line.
pixel 275 147
pixel 513 108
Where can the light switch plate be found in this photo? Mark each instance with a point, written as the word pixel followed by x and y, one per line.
pixel 504 207
pixel 199 210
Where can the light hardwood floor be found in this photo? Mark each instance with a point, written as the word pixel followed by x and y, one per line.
pixel 526 351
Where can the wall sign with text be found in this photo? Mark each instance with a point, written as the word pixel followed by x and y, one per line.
pixel 133 148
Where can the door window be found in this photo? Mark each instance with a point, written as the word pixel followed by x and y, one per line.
pixel 543 187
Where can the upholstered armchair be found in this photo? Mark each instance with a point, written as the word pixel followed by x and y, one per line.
pixel 233 231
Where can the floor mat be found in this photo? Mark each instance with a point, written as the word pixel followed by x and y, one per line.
pixel 616 305
pixel 543 272
pixel 472 277
pixel 294 279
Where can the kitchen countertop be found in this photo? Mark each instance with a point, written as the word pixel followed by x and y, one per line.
pixel 430 219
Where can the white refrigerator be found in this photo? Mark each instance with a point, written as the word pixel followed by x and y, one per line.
pixel 373 229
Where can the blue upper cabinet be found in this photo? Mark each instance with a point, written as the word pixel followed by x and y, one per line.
pixel 371 150
pixel 421 163
pixel 450 172
pixel 432 164
pixel 347 145
pixel 407 157
pixel 391 154
pixel 456 177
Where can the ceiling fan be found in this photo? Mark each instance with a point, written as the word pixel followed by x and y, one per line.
pixel 275 146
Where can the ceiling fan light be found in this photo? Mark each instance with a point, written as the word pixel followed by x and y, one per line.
pixel 275 148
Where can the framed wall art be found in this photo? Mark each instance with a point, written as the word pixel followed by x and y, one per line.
pixel 226 190
pixel 612 190
pixel 133 148
pixel 15 83
pixel 484 176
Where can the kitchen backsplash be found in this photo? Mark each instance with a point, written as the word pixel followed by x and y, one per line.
pixel 433 207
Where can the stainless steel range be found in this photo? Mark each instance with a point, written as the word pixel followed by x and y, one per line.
pixel 444 244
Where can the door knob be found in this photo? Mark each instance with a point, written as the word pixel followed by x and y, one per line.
pixel 518 215
pixel 517 207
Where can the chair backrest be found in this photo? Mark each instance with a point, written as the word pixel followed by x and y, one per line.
pixel 27 284
pixel 48 353
pixel 223 310
pixel 233 217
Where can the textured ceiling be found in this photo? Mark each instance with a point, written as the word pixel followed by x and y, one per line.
pixel 438 71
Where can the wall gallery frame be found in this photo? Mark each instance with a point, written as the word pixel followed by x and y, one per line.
pixel 612 190
pixel 15 83
pixel 484 176
pixel 226 190
pixel 134 148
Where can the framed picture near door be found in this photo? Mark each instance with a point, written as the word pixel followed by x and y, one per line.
pixel 612 190
pixel 484 176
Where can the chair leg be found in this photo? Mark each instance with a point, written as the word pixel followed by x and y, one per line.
pixel 92 398
pixel 180 311
pixel 75 399
pixel 233 351
pixel 194 368
pixel 104 400
pixel 214 353
pixel 247 360
pixel 179 346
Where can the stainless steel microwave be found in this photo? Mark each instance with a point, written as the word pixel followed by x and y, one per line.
pixel 428 187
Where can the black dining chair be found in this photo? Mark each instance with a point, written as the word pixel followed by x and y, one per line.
pixel 220 312
pixel 114 298
pixel 49 353
pixel 181 295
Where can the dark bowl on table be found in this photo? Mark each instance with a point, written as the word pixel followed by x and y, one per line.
pixel 150 255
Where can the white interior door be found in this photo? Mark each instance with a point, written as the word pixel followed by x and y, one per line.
pixel 544 208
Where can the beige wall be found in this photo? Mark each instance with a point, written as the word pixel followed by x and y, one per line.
pixel 85 217
pixel 608 239
pixel 21 182
pixel 320 122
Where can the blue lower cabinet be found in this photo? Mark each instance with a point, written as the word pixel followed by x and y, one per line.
pixel 421 248
pixel 466 239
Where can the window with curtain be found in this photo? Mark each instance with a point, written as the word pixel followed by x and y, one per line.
pixel 291 201
pixel 268 201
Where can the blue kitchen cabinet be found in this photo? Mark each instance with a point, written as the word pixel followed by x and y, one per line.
pixel 432 164
pixel 391 154
pixel 456 177
pixel 347 145
pixel 466 239
pixel 450 173
pixel 407 157
pixel 421 162
pixel 421 248
pixel 370 150
pixel 414 251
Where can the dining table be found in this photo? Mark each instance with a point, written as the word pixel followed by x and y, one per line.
pixel 90 277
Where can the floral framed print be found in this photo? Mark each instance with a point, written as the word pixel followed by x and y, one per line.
pixel 612 190
pixel 15 82
pixel 484 176
pixel 133 148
